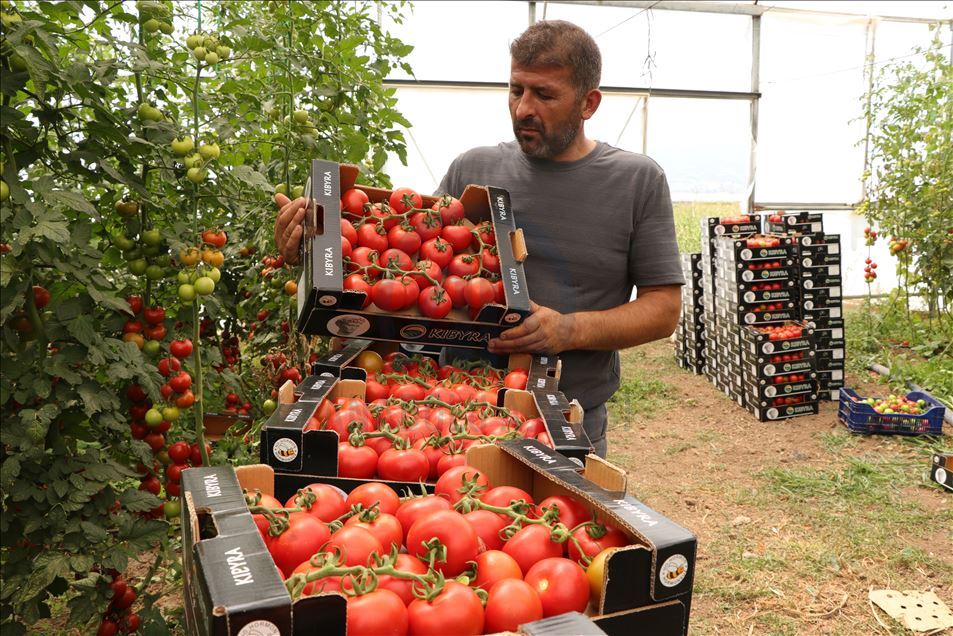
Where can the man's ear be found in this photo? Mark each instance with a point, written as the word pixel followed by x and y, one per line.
pixel 590 103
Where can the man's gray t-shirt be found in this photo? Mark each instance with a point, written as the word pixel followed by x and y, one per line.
pixel 594 228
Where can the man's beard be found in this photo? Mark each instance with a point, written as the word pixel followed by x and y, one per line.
pixel 545 144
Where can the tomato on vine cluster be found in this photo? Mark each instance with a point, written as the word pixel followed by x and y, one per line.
pixel 469 559
pixel 402 255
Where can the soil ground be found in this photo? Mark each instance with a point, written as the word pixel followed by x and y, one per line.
pixel 796 520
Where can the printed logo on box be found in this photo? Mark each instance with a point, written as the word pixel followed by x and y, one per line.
pixel 412 332
pixel 260 628
pixel 285 450
pixel 327 301
pixel 348 325
pixel 674 570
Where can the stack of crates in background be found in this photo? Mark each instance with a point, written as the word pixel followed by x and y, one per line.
pixel 820 290
pixel 690 333
pixel 756 286
pixel 712 228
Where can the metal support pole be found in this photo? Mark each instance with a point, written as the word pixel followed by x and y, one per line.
pixel 532 13
pixel 870 57
pixel 645 125
pixel 755 88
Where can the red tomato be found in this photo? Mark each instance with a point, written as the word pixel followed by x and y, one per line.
pixel 328 504
pixel 487 525
pixel 399 586
pixel 356 462
pixel 413 509
pixel 411 290
pixel 511 602
pixel 459 236
pixel 532 544
pixel 437 250
pixel 404 238
pixel 545 440
pixel 426 224
pixel 389 295
pixel 348 232
pixel 456 610
pixel 491 262
pixel 378 613
pixel 434 302
pixel 352 202
pixel 485 233
pixel 374 492
pixel 478 292
pixel 464 265
pixel 342 421
pixel 358 283
pixel 453 531
pixel 450 460
pixel 373 236
pixel 494 566
pixel 450 208
pixel 454 285
pixel 431 269
pixel 385 528
pixel 451 482
pixel 532 427
pixel 374 390
pixel 355 544
pixel 516 379
pixel 303 538
pixel 561 584
pixel 504 495
pixel 499 293
pixel 613 538
pixel 364 261
pixel 403 199
pixel 571 511
pixel 403 465
pixel 392 257
pixel 408 392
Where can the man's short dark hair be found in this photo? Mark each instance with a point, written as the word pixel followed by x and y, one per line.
pixel 560 43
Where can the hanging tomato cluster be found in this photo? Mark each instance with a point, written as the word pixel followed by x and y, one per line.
pixel 469 559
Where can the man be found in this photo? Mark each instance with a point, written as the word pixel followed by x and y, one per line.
pixel 597 221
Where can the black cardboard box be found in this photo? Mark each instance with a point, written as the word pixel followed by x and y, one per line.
pixel 326 308
pixel 942 469
pixel 232 584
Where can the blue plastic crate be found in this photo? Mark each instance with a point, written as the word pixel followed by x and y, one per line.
pixel 862 418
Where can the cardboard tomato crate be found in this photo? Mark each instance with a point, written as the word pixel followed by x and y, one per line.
pixel 326 308
pixel 942 469
pixel 232 584
pixel 287 448
pixel 217 425
pixel 543 370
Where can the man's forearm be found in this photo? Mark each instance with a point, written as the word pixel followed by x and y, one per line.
pixel 651 316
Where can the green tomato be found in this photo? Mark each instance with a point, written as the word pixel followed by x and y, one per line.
pixel 133 254
pixel 182 146
pixel 269 406
pixel 148 112
pixel 193 161
pixel 170 413
pixel 223 52
pixel 166 27
pixel 204 286
pixel 137 267
pixel 210 42
pixel 163 457
pixel 277 283
pixel 300 116
pixel 199 52
pixel 281 188
pixel 154 272
pixel 186 293
pixel 209 151
pixel 163 260
pixel 153 418
pixel 194 41
pixel 297 191
pixel 183 277
pixel 151 25
pixel 151 348
pixel 196 175
pixel 123 242
pixel 211 58
pixel 151 237
pixel 4 190
pixel 172 509
pixel 215 274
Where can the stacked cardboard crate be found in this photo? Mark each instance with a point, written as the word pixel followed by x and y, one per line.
pixel 690 333
pixel 820 293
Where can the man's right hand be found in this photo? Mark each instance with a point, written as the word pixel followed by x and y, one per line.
pixel 288 227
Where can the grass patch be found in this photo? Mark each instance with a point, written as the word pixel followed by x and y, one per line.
pixel 641 391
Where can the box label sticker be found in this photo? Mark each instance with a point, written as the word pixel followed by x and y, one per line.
pixel 348 325
pixel 285 449
pixel 212 487
pixel 674 570
pixel 260 628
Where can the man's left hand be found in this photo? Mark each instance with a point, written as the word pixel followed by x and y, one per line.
pixel 543 331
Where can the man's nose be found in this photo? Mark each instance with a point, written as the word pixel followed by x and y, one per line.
pixel 525 107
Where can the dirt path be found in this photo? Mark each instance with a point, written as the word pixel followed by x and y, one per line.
pixel 796 519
